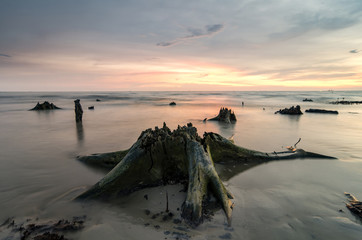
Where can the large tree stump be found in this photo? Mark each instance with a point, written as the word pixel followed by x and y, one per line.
pixel 162 157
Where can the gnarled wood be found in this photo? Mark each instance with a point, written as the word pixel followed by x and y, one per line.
pixel 163 157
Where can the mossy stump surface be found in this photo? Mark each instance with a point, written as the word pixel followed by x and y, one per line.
pixel 162 156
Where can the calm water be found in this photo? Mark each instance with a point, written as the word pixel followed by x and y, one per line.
pixel 299 199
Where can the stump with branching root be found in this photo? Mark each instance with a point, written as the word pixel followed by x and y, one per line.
pixel 161 157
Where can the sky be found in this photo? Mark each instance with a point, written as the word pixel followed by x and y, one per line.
pixel 180 45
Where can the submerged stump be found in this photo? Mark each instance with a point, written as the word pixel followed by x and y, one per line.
pixel 290 111
pixel 78 111
pixel 225 115
pixel 162 156
pixel 44 106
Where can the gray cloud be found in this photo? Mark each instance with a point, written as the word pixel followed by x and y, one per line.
pixel 354 51
pixel 4 55
pixel 206 31
pixel 305 22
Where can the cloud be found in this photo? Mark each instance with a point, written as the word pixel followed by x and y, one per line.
pixel 4 55
pixel 206 31
pixel 354 51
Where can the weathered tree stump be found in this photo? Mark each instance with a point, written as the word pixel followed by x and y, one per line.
pixel 290 111
pixel 44 106
pixel 161 157
pixel 225 115
pixel 78 110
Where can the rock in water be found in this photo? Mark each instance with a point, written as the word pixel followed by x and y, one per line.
pixel 44 106
pixel 291 111
pixel 78 111
pixel 225 115
pixel 172 104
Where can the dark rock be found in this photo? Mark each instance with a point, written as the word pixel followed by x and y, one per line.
pixel 307 100
pixel 176 221
pixel 225 115
pixel 225 236
pixel 172 104
pixel 78 111
pixel 44 106
pixel 321 111
pixel 98 100
pixel 291 111
pixel 157 226
pixel 91 108
pixel 146 197
pixel 147 212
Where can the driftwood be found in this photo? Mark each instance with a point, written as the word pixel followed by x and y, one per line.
pixel 161 157
pixel 354 205
pixel 44 106
pixel 321 111
pixel 290 111
pixel 225 115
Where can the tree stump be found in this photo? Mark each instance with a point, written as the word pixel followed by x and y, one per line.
pixel 161 157
pixel 225 115
pixel 78 111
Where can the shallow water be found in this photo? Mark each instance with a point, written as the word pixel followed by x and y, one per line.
pixel 298 199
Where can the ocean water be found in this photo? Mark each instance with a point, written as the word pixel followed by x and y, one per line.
pixel 299 199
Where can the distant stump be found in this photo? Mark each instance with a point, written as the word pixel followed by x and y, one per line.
pixel 321 111
pixel 44 106
pixel 290 111
pixel 225 115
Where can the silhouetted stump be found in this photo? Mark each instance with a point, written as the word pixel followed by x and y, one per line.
pixel 307 100
pixel 172 104
pixel 78 111
pixel 44 106
pixel 291 111
pixel 161 157
pixel 225 115
pixel 321 111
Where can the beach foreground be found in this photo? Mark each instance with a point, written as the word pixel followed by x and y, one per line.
pixel 298 199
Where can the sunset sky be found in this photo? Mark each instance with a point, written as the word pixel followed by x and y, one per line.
pixel 142 45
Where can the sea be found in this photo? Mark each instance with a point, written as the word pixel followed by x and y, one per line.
pixel 298 199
